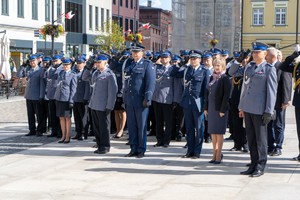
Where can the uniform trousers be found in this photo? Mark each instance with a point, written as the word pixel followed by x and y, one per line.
pixel 45 115
pixel 238 131
pixel 34 114
pixel 137 128
pixel 177 123
pixel 101 127
pixel 257 140
pixel 163 116
pixel 55 124
pixel 80 117
pixel 297 113
pixel 276 130
pixel 194 124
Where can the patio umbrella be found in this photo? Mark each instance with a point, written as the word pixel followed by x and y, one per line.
pixel 5 67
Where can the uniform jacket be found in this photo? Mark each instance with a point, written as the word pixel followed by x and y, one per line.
pixel 284 90
pixel 104 90
pixel 289 66
pixel 66 88
pixel 164 87
pixel 222 94
pixel 139 82
pixel 195 86
pixel 52 81
pixel 116 67
pixel 259 88
pixel 83 88
pixel 33 85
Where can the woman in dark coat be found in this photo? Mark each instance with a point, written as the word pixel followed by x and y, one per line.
pixel 216 107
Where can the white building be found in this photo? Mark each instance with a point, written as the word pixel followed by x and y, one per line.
pixel 23 18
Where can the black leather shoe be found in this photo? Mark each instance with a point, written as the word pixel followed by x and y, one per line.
pixel 188 155
pixel 235 149
pixel 245 150
pixel 131 154
pixel 52 135
pixel 76 137
pixel 165 145
pixel 178 138
pixel 212 161
pixel 98 151
pixel 248 165
pixel 257 173
pixel 38 134
pixel 297 158
pixel 151 133
pixel 247 172
pixel 196 156
pixel 276 152
pixel 158 145
pixel 140 155
pixel 30 134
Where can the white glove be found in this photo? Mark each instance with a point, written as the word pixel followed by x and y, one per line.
pixel 297 47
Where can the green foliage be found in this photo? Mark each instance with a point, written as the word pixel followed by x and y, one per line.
pixel 111 39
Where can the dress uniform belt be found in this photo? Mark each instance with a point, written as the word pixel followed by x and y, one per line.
pixel 296 81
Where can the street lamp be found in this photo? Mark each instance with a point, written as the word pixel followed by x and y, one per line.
pixel 297 17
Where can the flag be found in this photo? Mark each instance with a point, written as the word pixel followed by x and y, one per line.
pixel 146 26
pixel 69 15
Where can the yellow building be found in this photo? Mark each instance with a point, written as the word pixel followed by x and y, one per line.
pixel 270 21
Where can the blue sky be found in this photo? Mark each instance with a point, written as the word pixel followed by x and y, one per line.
pixel 164 4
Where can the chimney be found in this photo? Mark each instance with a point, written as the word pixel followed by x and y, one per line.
pixel 149 3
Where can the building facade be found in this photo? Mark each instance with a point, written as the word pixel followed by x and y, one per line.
pixel 196 22
pixel 270 21
pixel 126 12
pixel 157 37
pixel 22 20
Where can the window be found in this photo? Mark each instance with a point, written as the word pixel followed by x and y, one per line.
pixel 34 9
pixel 59 12
pixel 97 18
pixel 121 2
pixel 21 8
pixel 102 19
pixel 131 24
pixel 114 2
pixel 126 24
pixel 258 16
pixel 107 17
pixel 126 3
pixel 75 24
pixel 90 17
pixel 47 10
pixel 4 7
pixel 131 4
pixel 280 16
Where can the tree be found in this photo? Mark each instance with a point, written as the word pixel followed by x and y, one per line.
pixel 112 38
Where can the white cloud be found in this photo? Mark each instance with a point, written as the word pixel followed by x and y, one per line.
pixel 158 4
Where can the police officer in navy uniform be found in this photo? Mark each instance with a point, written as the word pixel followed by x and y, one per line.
pixel 178 129
pixel 195 77
pixel 139 84
pixel 162 100
pixel 291 65
pixel 44 101
pixel 81 98
pixel 64 96
pixel 257 104
pixel 32 96
pixel 104 91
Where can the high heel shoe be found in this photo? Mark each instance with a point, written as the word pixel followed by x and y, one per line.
pixel 61 141
pixel 219 162
pixel 212 161
pixel 66 142
pixel 117 136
